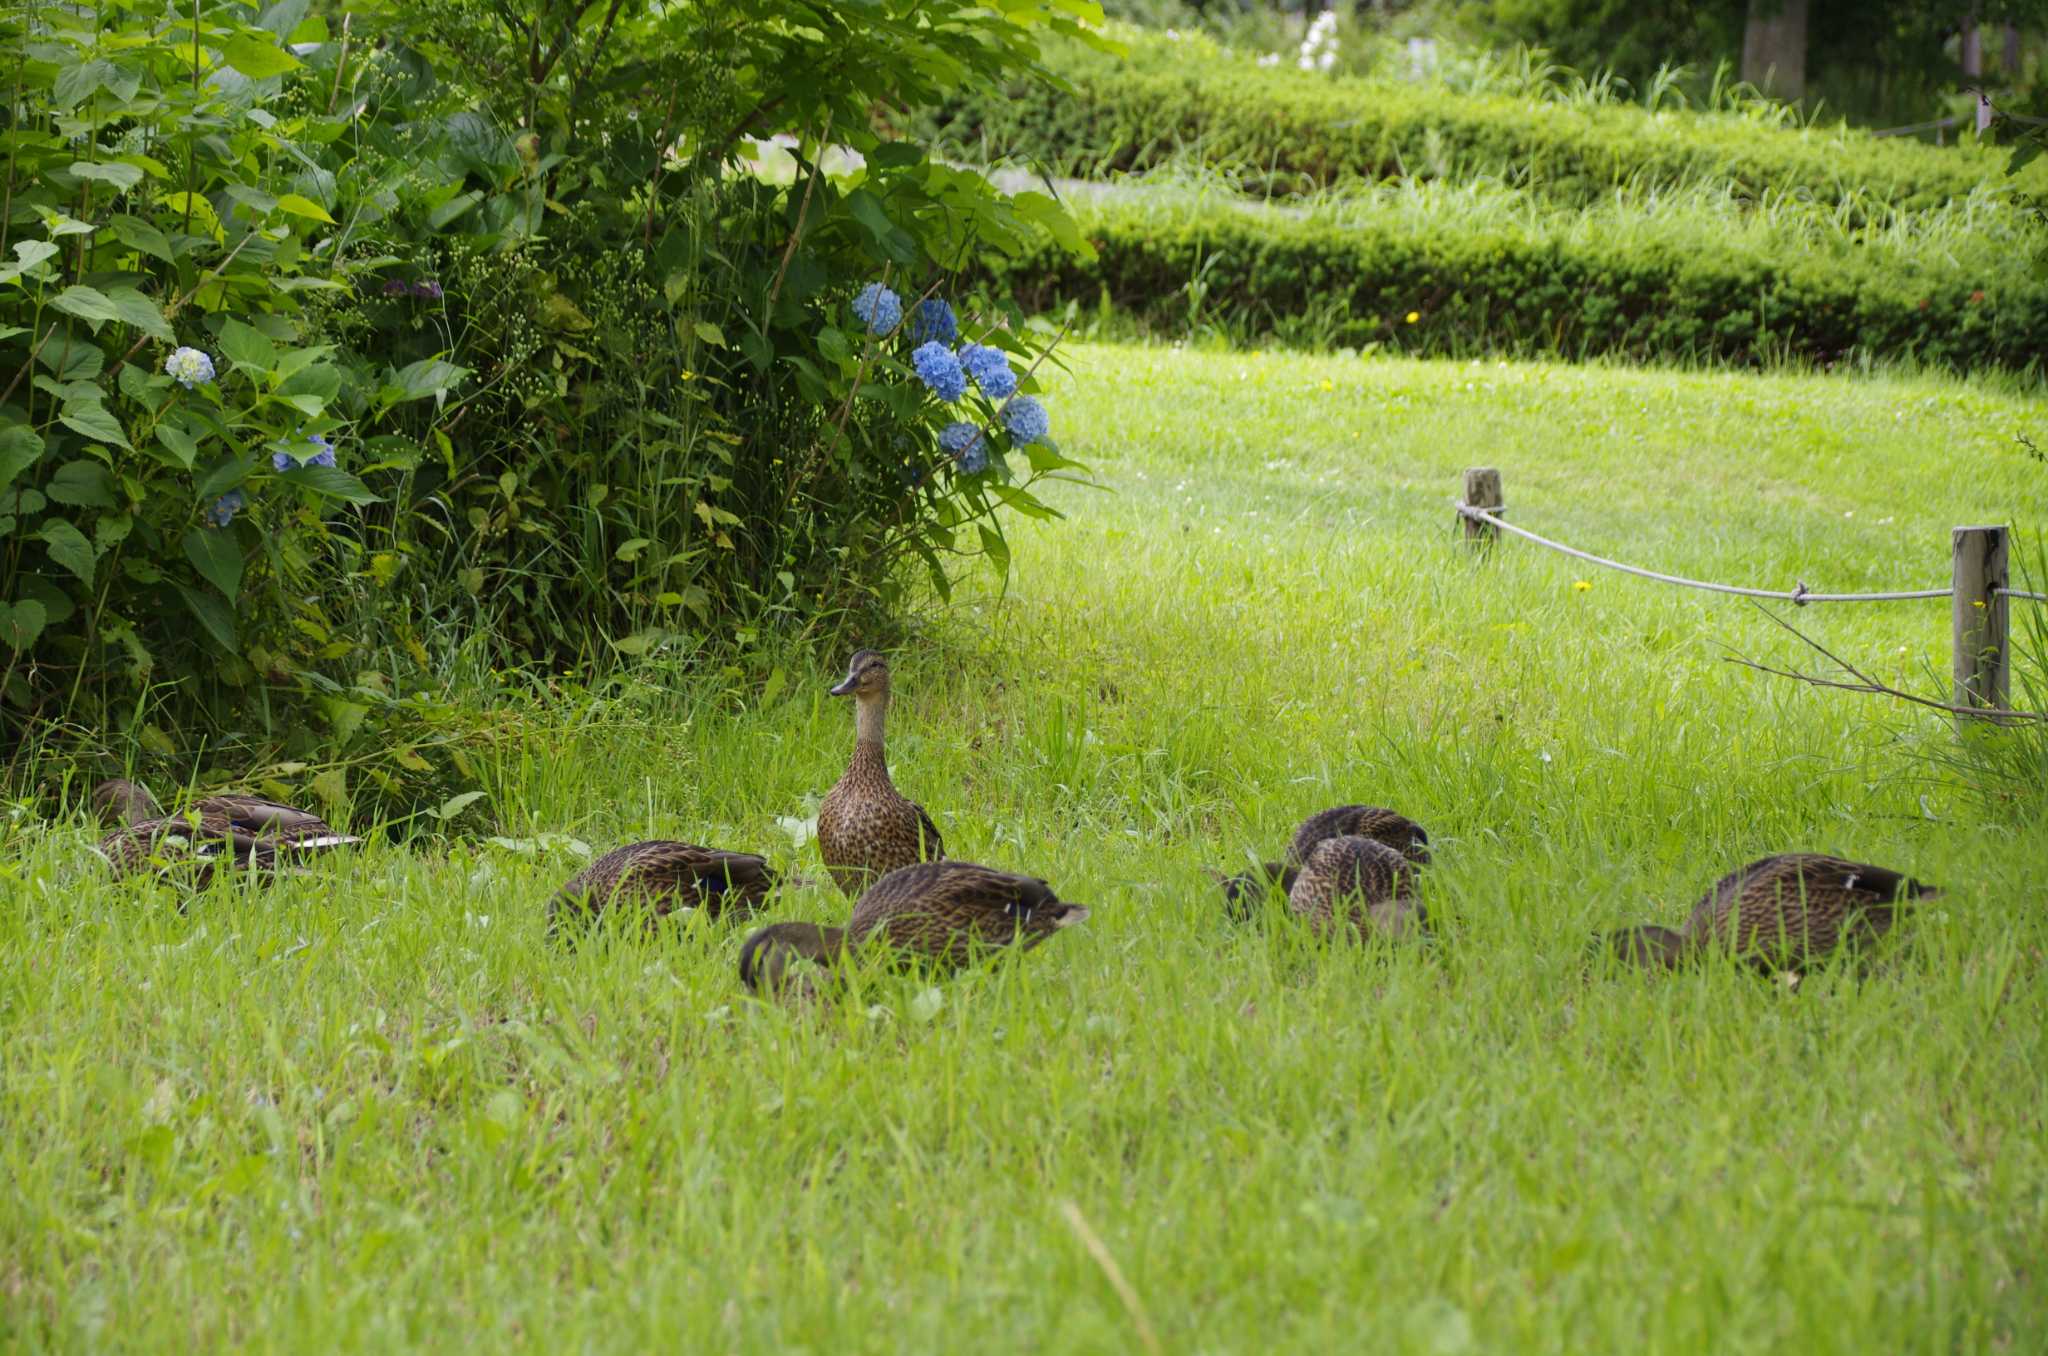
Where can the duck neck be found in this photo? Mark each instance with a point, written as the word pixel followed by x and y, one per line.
pixel 869 716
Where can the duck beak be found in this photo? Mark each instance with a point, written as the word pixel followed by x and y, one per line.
pixel 844 687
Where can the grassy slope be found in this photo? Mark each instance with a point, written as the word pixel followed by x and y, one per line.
pixel 385 1107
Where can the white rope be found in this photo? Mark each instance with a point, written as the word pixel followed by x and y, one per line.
pixel 1799 597
pixel 2022 593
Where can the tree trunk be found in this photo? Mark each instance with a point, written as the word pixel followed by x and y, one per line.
pixel 1973 46
pixel 2012 48
pixel 1774 47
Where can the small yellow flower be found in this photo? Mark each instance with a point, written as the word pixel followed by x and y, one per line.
pixel 1414 316
pixel 1329 385
pixel 1582 585
pixel 1978 603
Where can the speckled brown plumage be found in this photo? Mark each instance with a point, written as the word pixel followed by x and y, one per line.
pixel 1359 882
pixel 942 913
pixel 665 876
pixel 866 827
pixel 247 832
pixel 1781 913
pixel 1241 893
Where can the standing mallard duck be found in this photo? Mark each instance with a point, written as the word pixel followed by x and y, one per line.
pixel 1359 881
pixel 938 912
pixel 665 876
pixel 866 827
pixel 245 831
pixel 1780 913
pixel 1402 834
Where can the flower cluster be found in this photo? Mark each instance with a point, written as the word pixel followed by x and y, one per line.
pixel 226 507
pixel 933 322
pixel 428 290
pixel 939 369
pixel 1319 48
pixel 878 308
pixel 967 445
pixel 990 370
pixel 189 367
pixel 946 373
pixel 282 459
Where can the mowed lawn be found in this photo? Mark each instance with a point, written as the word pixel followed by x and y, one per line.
pixel 378 1110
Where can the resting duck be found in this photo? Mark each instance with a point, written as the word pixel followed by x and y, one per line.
pixel 1242 892
pixel 1349 881
pixel 247 832
pixel 866 827
pixel 1779 913
pixel 940 913
pixel 665 877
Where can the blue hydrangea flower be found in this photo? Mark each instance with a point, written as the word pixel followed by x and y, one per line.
pixel 940 370
pixel 967 444
pixel 1026 419
pixel 189 367
pixel 933 320
pixel 879 308
pixel 323 454
pixel 990 369
pixel 429 289
pixel 226 507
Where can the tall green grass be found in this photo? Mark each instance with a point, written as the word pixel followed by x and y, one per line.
pixel 377 1111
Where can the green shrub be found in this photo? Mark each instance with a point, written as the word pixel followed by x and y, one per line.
pixel 1285 131
pixel 590 387
pixel 1563 285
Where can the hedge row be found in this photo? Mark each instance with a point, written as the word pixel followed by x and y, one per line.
pixel 1528 291
pixel 1287 131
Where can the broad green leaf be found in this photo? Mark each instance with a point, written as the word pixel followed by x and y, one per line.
pixel 303 207
pixel 20 448
pixel 178 443
pixel 84 483
pixel 21 623
pixel 92 419
pixel 213 614
pixel 140 312
pixel 87 303
pixel 259 58
pixel 246 347
pixel 68 547
pixel 629 551
pixel 331 481
pixel 1043 211
pixel 28 254
pixel 710 334
pixel 455 805
pixel 122 177
pixel 995 548
pixel 427 377
pixel 217 555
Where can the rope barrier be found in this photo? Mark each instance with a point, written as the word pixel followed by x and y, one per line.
pixel 1798 597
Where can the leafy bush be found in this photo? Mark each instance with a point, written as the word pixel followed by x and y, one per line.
pixel 586 385
pixel 1284 131
pixel 1416 278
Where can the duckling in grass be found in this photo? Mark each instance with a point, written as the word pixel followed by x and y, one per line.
pixel 1350 881
pixel 665 877
pixel 1242 892
pixel 866 827
pixel 945 914
pixel 244 832
pixel 1779 913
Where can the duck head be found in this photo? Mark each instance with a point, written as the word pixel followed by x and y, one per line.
pixel 120 801
pixel 770 959
pixel 867 676
pixel 1648 946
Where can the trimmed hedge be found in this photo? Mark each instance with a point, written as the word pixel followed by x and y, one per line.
pixel 1287 132
pixel 1532 291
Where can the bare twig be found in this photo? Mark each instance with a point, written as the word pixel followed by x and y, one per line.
pixel 803 207
pixel 1871 686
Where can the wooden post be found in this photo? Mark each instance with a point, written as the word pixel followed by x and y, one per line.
pixel 1983 668
pixel 1482 491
